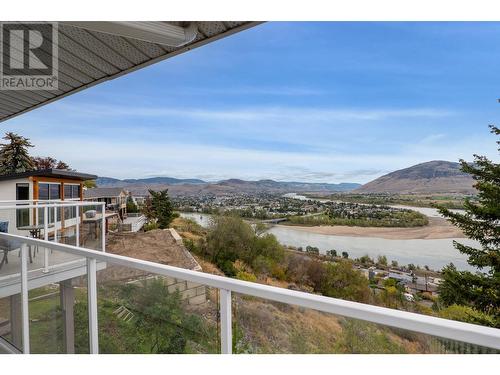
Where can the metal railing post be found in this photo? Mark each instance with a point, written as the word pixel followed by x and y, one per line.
pixel 92 305
pixel 24 299
pixel 45 223
pixel 77 229
pixel 46 238
pixel 226 332
pixel 55 223
pixel 103 228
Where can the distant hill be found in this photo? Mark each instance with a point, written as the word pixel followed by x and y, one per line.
pixel 111 182
pixel 286 186
pixel 435 176
pixel 200 187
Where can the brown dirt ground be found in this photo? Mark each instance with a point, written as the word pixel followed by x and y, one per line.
pixel 156 246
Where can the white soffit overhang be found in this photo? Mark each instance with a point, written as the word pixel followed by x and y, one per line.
pixel 94 52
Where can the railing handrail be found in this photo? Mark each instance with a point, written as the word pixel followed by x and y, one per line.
pixel 55 204
pixel 36 200
pixel 450 329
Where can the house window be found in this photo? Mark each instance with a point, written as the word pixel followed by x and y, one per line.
pixel 49 191
pixel 67 191
pixel 54 191
pixel 23 214
pixel 71 191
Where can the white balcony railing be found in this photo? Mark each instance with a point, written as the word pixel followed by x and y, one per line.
pixel 442 328
pixel 50 220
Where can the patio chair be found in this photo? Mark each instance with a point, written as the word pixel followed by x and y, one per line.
pixel 8 245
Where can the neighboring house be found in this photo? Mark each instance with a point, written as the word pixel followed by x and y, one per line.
pixel 400 277
pixel 115 199
pixel 49 184
pixel 424 284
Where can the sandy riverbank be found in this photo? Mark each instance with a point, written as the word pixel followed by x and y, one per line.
pixel 438 228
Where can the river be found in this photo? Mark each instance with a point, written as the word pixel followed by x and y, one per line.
pixel 434 253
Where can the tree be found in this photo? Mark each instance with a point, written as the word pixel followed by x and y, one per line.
pixel 42 163
pixel 62 165
pixel 365 259
pixel 14 156
pixel 382 260
pixel 466 314
pixel 345 254
pixel 230 239
pixel 160 323
pixel 480 290
pixel 331 253
pixel 131 206
pixel 89 184
pixel 158 208
pixel 47 162
pixel 312 250
pixel 341 280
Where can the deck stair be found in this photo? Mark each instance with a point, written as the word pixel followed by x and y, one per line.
pixel 124 314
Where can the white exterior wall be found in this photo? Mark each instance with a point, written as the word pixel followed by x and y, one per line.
pixel 8 192
pixel 8 188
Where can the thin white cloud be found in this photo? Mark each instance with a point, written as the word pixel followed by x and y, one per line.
pixel 292 114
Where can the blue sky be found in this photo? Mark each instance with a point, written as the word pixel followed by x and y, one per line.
pixel 319 102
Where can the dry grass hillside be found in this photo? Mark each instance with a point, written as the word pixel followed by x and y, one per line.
pixel 431 177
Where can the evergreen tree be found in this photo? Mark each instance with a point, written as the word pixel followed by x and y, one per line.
pixel 159 208
pixel 480 290
pixel 14 156
pixel 131 206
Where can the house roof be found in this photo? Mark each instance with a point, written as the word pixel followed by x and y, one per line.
pixel 93 52
pixel 54 173
pixel 103 192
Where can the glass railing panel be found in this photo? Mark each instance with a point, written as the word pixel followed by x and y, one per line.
pixel 264 326
pixel 10 296
pixel 91 226
pixel 440 345
pixel 58 307
pixel 10 260
pixel 140 312
pixel 41 259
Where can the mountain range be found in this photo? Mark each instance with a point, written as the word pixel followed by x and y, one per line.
pixel 435 176
pixel 114 182
pixel 195 186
